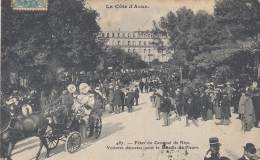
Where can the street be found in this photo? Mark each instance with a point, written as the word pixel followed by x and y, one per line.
pixel 139 135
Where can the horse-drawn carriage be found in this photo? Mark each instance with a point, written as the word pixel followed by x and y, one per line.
pixel 80 124
pixel 84 121
pixel 72 134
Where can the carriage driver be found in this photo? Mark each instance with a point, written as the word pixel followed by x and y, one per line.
pixel 66 101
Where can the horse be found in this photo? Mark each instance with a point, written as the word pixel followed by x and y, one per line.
pixel 14 130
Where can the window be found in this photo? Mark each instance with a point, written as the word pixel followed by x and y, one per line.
pixel 149 51
pixel 118 43
pixel 133 50
pixel 144 43
pixel 103 34
pixel 128 43
pixel 123 42
pixel 140 43
pixel 128 50
pixel 107 34
pixel 118 35
pixel 160 51
pixel 123 34
pixel 113 34
pixel 144 50
pixel 134 43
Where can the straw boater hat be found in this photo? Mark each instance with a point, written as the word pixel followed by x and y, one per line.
pixel 228 83
pixel 84 88
pixel 71 88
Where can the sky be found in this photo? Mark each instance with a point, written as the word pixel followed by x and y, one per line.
pixel 132 19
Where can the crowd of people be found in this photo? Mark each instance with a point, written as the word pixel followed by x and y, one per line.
pixel 207 102
pixel 194 102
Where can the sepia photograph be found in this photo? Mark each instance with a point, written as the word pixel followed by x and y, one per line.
pixel 130 80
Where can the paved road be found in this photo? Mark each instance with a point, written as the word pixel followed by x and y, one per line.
pixel 144 137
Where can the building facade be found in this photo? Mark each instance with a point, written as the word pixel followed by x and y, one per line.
pixel 140 42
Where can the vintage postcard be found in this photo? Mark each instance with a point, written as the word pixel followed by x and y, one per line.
pixel 130 80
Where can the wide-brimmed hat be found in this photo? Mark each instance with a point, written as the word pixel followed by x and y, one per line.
pixel 214 141
pixel 250 148
pixel 254 84
pixel 71 88
pixel 84 88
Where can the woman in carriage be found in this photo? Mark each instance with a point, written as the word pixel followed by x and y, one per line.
pixel 87 106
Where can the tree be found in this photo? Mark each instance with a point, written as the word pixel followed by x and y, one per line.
pixel 212 43
pixel 119 59
pixel 240 18
pixel 36 42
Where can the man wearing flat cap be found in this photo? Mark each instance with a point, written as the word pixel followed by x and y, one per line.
pixel 213 152
pixel 249 152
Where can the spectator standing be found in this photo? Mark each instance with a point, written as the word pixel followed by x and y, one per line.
pixel 191 112
pixel 157 103
pixel 129 100
pixel 141 86
pixel 118 95
pixel 249 113
pixel 136 95
pixel 204 103
pixel 225 110
pixel 165 109
pixel 179 101
pixel 146 86
pixel 111 97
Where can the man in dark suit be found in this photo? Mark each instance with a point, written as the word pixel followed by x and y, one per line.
pixel 136 94
pixel 165 109
pixel 129 100
pixel 213 152
pixel 146 85
pixel 249 152
pixel 191 112
pixel 118 97
pixel 141 86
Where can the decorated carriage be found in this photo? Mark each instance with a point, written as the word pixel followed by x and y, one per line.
pixel 85 121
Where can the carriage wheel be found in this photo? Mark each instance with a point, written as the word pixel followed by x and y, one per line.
pixel 51 139
pixel 73 142
pixel 97 127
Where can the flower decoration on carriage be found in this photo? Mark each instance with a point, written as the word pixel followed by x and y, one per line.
pixel 71 88
pixel 84 98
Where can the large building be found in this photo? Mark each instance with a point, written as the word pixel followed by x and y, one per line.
pixel 140 42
